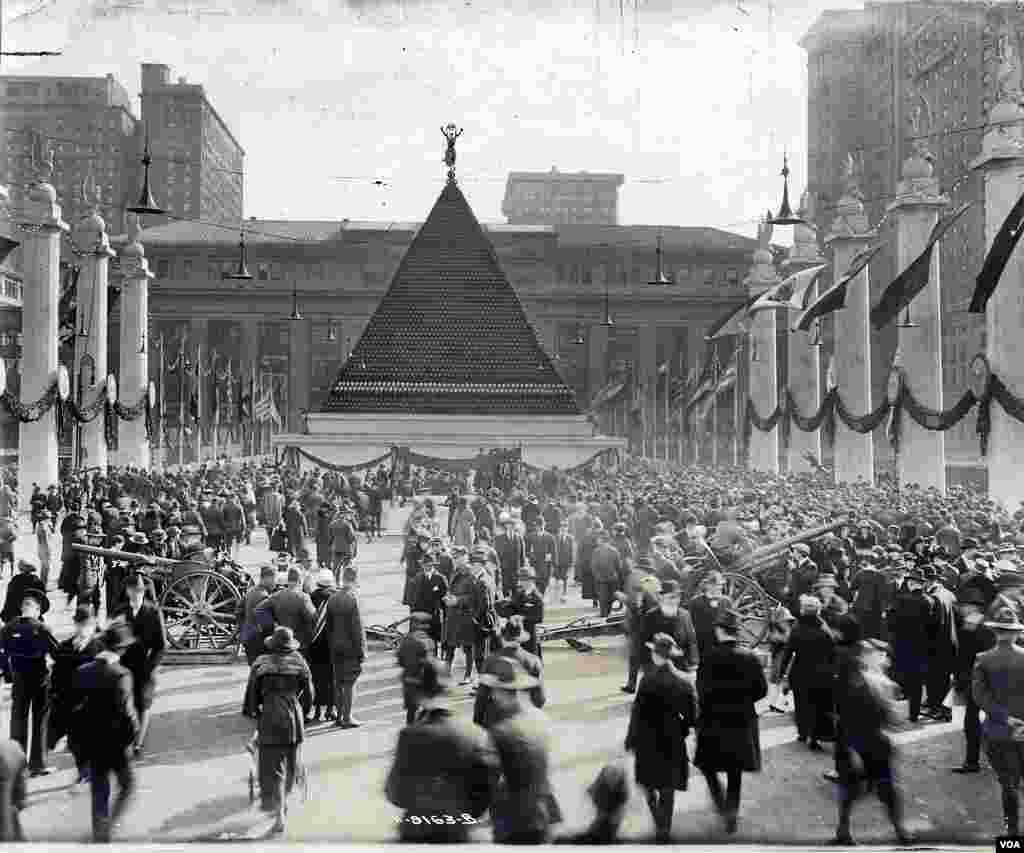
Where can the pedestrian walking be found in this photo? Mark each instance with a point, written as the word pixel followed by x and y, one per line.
pixel 780 628
pixel 28 647
pixel 347 641
pixel 942 659
pixel 565 560
pixel 281 693
pixel 998 689
pixel 344 542
pixel 705 608
pixel 291 607
pixel 254 625
pixel 912 623
pixel 525 807
pixel 46 543
pixel 730 681
pixel 319 653
pixel 513 636
pixel 142 659
pixel 864 750
pixel 527 602
pixel 77 650
pixel 808 668
pixel 106 726
pixel 974 638
pixel 460 628
pixel 18 587
pixel 606 569
pixel 664 712
pixel 415 650
pixel 13 790
pixel 429 588
pixel 444 770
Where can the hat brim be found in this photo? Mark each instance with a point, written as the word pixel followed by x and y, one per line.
pixel 521 682
pixel 1003 626
pixel 290 646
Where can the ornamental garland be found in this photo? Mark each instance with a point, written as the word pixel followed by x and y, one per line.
pixel 862 424
pixel 812 422
pixel 934 420
pixel 31 412
pixel 87 414
pixel 766 424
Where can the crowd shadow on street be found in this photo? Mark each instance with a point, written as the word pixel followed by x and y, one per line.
pixel 188 735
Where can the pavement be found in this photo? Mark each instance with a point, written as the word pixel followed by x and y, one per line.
pixel 193 779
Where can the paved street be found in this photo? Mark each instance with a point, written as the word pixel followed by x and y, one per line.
pixel 193 779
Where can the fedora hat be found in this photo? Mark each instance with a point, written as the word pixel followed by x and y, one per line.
pixel 507 674
pixel 282 640
pixel 38 596
pixel 139 539
pixel 663 645
pixel 1004 619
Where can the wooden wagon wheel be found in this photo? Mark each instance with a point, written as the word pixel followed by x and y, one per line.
pixel 200 611
pixel 753 606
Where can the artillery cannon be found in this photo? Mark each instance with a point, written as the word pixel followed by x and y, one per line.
pixel 200 600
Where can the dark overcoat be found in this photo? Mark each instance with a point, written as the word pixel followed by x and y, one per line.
pixel 460 626
pixel 912 623
pixel 664 712
pixel 810 655
pixel 729 681
pixel 280 689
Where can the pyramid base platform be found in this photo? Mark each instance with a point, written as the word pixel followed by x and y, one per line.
pixel 562 441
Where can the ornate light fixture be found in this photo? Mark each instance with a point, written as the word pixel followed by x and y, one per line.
pixel 147 204
pixel 785 215
pixel 659 279
pixel 296 314
pixel 241 273
pixel 607 322
pixel 905 322
pixel 332 332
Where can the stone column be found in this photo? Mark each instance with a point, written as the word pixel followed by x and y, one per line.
pixel 922 456
pixel 803 355
pixel 300 369
pixel 133 370
pixel 597 357
pixel 696 347
pixel 763 369
pixel 198 347
pixel 91 340
pixel 854 453
pixel 646 354
pixel 37 451
pixel 1000 162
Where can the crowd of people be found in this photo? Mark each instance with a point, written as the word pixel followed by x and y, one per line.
pixel 910 594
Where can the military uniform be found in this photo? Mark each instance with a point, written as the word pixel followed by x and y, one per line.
pixel 26 644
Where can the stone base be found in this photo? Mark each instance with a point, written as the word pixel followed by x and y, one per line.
pixel 546 441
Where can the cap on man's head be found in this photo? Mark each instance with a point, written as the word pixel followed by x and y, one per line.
pixel 350 574
pixel 268 571
pixel 294 575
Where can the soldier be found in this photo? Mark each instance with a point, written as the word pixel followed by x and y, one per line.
pixel 347 640
pixel 26 644
pixel 942 660
pixel 417 647
pixel 17 589
pixel 528 603
pixel 513 635
pixel 664 712
pixel 998 688
pixel 974 638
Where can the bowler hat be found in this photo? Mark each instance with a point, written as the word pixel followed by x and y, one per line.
pixel 507 674
pixel 1004 619
pixel 36 595
pixel 139 539
pixel 663 645
pixel 282 640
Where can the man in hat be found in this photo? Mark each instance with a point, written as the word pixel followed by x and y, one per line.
pixel 26 646
pixel 525 808
pixel 866 711
pixel 912 623
pixel 18 587
pixel 730 681
pixel 444 767
pixel 347 641
pixel 664 712
pixel 704 609
pixel 417 647
pixel 291 607
pixel 942 660
pixel 513 636
pixel 541 552
pixel 606 570
pixel 973 639
pixel 870 599
pixel 105 725
pixel 146 624
pixel 416 546
pixel 77 650
pixel 671 619
pixel 462 608
pixel 280 693
pixel 511 549
pixel 527 602
pixel 808 666
pixel 427 592
pixel 825 588
pixel 998 689
pixel 344 542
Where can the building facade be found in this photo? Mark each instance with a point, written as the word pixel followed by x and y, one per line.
pixel 89 125
pixel 197 162
pixel 562 198
pixel 337 272
pixel 881 79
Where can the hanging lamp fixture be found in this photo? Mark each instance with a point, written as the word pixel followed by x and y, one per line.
pixel 607 322
pixel 296 314
pixel 905 321
pixel 241 272
pixel 785 215
pixel 579 340
pixel 147 204
pixel 660 279
pixel 332 331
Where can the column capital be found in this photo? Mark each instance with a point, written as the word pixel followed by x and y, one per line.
pixel 42 213
pixel 1003 142
pixel 836 239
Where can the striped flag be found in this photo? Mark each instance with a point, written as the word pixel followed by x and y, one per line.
pixel 835 297
pixel 790 293
pixel 728 378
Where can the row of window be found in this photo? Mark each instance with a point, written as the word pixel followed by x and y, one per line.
pixel 582 274
pixel 10 339
pixel 12 288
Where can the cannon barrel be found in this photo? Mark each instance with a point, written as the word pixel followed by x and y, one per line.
pixel 126 556
pixel 762 555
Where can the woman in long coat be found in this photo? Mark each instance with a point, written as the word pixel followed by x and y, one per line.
pixel 319 656
pixel 460 629
pixel 808 666
pixel 663 713
pixel 729 681
pixel 462 525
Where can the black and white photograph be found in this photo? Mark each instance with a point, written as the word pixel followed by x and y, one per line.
pixel 456 421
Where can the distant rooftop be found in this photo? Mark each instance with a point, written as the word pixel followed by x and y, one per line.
pixel 554 174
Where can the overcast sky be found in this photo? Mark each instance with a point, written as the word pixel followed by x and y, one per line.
pixel 693 101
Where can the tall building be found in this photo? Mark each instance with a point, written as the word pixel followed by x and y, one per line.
pixel 562 198
pixel 880 79
pixel 89 126
pixel 197 162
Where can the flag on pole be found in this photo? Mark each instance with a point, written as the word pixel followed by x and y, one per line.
pixel 637 404
pixel 914 278
pixel 835 297
pixel 791 293
pixel 728 378
pixel 193 400
pixel 214 387
pixel 998 256
pixel 730 323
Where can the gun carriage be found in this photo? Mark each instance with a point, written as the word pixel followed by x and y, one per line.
pixel 199 599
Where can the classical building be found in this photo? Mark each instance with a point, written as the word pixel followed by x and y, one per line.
pixel 89 125
pixel 337 272
pixel 879 79
pixel 197 162
pixel 557 198
pixel 10 326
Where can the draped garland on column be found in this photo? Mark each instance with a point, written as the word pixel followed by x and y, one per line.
pixel 832 406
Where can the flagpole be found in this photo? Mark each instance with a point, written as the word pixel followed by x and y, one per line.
pixel 714 408
pixel 736 407
pixel 182 403
pixel 216 408
pixel 159 422
pixel 199 403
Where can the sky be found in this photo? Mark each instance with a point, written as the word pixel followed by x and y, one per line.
pixel 694 101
